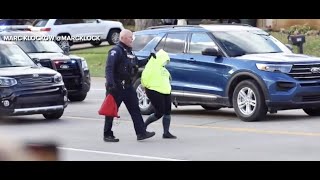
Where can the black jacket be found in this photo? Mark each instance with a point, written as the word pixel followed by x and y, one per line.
pixel 121 65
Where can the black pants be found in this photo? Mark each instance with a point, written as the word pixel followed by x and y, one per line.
pixel 160 102
pixel 162 107
pixel 130 99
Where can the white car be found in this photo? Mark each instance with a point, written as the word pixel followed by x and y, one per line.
pixel 106 30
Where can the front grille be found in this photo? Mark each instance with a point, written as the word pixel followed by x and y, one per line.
pixel 36 80
pixel 30 99
pixel 68 68
pixel 302 72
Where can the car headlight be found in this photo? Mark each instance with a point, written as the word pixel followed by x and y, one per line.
pixel 57 78
pixel 284 68
pixel 7 82
pixel 84 64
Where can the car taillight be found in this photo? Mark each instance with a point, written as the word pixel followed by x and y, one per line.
pixel 45 29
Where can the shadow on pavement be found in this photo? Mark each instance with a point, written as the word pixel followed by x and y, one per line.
pixel 24 120
pixel 231 114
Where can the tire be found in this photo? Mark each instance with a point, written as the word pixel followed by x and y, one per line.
pixel 54 115
pixel 312 111
pixel 95 43
pixel 146 109
pixel 63 43
pixel 79 97
pixel 210 107
pixel 249 112
pixel 113 36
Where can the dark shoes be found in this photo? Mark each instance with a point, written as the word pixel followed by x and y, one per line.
pixel 145 136
pixel 139 137
pixel 110 139
pixel 169 136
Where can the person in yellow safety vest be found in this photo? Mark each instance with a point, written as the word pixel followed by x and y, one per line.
pixel 156 80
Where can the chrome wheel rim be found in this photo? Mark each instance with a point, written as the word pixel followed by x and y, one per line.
pixel 144 101
pixel 115 37
pixel 247 101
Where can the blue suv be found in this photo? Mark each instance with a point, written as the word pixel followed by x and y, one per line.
pixel 233 66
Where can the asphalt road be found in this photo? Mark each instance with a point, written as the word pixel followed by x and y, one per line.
pixel 202 135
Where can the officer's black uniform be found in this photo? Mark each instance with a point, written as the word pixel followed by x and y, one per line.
pixel 121 67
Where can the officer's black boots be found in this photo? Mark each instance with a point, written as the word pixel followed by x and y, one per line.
pixel 110 139
pixel 152 118
pixel 145 136
pixel 166 124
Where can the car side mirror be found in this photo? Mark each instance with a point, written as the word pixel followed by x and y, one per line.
pixel 37 61
pixel 211 52
pixel 289 46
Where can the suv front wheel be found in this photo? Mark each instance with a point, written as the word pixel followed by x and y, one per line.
pixel 145 105
pixel 249 102
pixel 113 36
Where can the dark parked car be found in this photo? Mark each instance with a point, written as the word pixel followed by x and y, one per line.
pixel 74 69
pixel 26 88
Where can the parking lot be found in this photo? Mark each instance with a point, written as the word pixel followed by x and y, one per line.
pixel 202 135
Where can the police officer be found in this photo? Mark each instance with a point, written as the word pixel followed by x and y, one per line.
pixel 121 67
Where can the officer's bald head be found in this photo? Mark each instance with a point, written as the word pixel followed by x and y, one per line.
pixel 126 37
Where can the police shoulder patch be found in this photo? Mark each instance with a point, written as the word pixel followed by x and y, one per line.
pixel 113 52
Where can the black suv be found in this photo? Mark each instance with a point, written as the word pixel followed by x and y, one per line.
pixel 74 69
pixel 26 88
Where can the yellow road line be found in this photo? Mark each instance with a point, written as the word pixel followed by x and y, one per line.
pixel 235 129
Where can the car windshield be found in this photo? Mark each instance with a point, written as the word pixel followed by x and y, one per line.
pixel 40 46
pixel 238 43
pixel 12 55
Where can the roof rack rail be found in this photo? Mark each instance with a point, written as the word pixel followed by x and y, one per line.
pixel 172 26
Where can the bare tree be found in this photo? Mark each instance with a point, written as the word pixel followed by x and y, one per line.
pixel 141 24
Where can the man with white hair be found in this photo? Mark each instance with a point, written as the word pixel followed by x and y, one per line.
pixel 121 67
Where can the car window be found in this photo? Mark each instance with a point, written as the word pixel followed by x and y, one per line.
pixel 238 43
pixel 40 22
pixel 89 20
pixel 161 44
pixel 175 42
pixel 68 21
pixel 40 46
pixel 199 42
pixel 140 41
pixel 13 55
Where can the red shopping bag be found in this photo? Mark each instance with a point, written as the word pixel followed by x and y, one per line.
pixel 109 107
